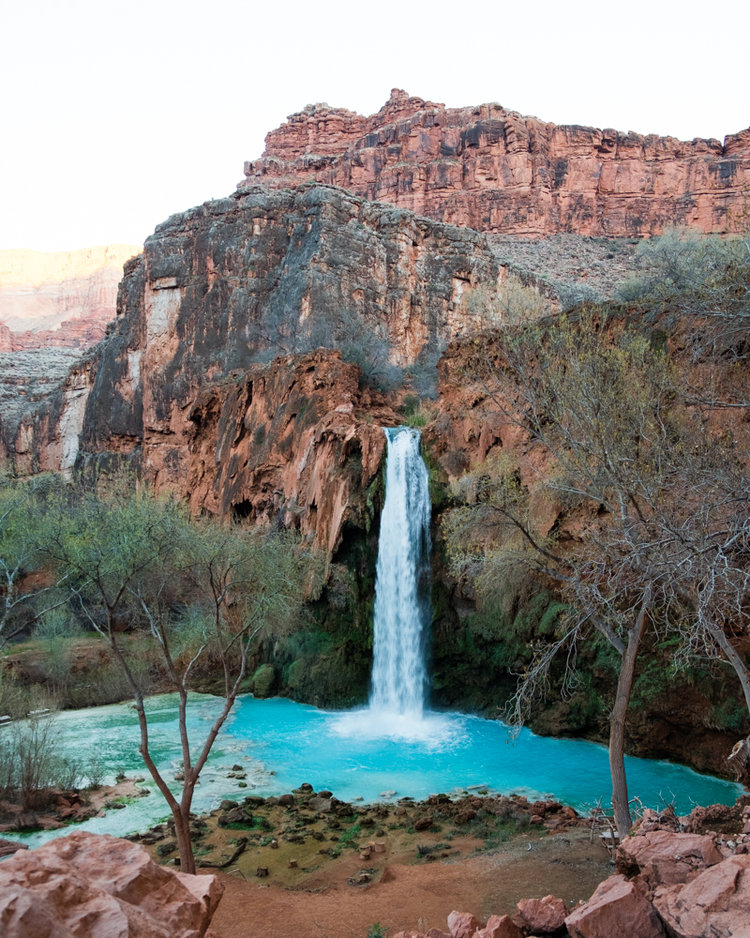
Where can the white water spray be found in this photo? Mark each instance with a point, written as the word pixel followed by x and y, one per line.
pixel 402 603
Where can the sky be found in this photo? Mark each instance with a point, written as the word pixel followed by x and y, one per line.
pixel 116 115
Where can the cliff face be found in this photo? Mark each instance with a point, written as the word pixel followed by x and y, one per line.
pixel 180 384
pixel 491 169
pixel 63 299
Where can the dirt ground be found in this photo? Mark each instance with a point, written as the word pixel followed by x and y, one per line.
pixel 309 866
pixel 411 893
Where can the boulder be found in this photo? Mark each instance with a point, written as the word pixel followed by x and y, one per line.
pixel 542 916
pixel 500 926
pixel 463 925
pixel 618 907
pixel 8 847
pixel 101 887
pixel 714 904
pixel 664 857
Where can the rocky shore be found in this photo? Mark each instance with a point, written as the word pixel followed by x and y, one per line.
pixel 308 863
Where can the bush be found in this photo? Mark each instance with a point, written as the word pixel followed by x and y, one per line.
pixel 32 763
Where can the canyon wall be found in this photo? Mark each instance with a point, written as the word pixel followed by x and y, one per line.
pixel 62 298
pixel 183 384
pixel 492 169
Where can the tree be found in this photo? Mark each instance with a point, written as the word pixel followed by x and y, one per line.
pixel 20 520
pixel 200 590
pixel 602 402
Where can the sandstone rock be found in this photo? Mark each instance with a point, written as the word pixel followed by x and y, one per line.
pixel 463 925
pixel 500 926
pixel 101 886
pixel 236 281
pixel 542 916
pixel 664 857
pixel 616 908
pixel 492 169
pixel 9 847
pixel 63 298
pixel 715 904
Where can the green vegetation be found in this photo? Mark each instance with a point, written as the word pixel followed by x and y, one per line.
pixel 164 592
pixel 376 931
pixel 656 562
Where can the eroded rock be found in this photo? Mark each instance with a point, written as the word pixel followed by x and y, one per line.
pixel 542 916
pixel 618 907
pixel 100 886
pixel 493 169
pixel 715 904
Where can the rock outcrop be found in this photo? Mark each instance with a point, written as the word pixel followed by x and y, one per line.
pixel 492 169
pixel 181 386
pixel 99 886
pixel 63 299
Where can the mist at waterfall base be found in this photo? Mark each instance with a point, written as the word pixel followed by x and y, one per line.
pixel 392 748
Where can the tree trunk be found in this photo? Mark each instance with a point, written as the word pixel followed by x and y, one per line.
pixel 623 821
pixel 184 843
pixel 734 658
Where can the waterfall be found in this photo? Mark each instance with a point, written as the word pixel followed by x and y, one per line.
pixel 402 583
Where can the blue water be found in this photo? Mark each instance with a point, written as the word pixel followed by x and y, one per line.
pixel 281 744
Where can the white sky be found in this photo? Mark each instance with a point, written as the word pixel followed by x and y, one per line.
pixel 116 115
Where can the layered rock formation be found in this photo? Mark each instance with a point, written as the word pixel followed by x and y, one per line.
pixel 63 298
pixel 180 384
pixel 492 169
pixel 98 886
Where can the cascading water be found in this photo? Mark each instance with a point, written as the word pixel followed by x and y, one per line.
pixel 402 587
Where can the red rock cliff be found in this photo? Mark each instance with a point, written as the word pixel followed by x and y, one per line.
pixel 182 383
pixel 491 169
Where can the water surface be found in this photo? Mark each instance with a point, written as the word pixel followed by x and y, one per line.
pixel 361 754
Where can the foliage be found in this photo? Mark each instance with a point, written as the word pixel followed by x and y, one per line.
pixel 511 302
pixel 701 275
pixel 662 502
pixel 31 762
pixel 376 930
pixel 194 589
pixel 22 506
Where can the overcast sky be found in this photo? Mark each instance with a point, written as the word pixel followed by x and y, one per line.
pixel 117 114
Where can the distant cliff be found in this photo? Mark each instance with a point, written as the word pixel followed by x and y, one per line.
pixel 62 298
pixel 492 169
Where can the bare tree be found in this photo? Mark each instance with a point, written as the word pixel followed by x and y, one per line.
pixel 602 403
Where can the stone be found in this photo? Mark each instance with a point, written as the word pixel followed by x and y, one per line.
pixel 715 904
pixel 463 925
pixel 99 886
pixel 500 926
pixel 232 434
pixel 493 169
pixel 617 907
pixel 665 857
pixel 320 804
pixel 9 847
pixel 542 916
